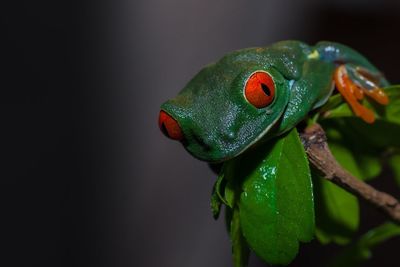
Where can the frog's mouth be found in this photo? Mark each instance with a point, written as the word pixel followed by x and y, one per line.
pixel 260 138
pixel 217 153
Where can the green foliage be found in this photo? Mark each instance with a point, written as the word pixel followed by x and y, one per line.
pixel 268 192
pixel 383 133
pixel 349 149
pixel 276 205
pixel 390 113
pixel 359 148
pixel 240 249
pixel 215 202
pixel 360 251
pixel 360 160
pixel 270 200
pixel 337 212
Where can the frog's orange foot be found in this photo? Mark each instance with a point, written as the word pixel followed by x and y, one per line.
pixel 354 91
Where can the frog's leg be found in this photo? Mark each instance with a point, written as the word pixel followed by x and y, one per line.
pixel 368 82
pixel 310 91
pixel 353 82
pixel 354 77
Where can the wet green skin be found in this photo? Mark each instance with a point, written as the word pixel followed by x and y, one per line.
pixel 218 122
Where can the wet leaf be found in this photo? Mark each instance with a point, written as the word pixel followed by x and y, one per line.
pixel 276 200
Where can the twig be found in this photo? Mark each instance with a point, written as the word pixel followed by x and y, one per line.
pixel 314 140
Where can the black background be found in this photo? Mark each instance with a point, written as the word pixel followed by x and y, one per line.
pixel 86 177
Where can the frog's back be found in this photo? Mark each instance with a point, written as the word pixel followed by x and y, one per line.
pixel 285 56
pixel 308 70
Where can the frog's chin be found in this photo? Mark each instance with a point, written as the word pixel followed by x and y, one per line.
pixel 213 158
pixel 216 156
pixel 261 138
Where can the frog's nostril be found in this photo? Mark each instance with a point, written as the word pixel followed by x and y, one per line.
pixel 169 126
pixel 229 136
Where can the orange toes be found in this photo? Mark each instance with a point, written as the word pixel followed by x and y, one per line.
pixel 352 93
pixel 378 95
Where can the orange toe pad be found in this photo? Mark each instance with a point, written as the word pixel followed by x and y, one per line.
pixel 353 93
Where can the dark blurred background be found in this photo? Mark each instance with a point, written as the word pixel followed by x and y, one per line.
pixel 87 179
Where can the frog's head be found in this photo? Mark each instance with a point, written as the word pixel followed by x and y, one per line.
pixel 227 107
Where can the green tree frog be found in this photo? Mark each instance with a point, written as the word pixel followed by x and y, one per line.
pixel 244 100
pixel 258 93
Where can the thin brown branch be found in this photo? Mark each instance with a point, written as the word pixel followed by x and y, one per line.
pixel 314 140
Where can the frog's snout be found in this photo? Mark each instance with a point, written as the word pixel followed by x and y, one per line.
pixel 169 126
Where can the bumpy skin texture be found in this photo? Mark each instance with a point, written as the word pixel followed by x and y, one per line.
pixel 217 121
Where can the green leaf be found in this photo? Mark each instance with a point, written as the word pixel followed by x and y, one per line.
pixel 349 149
pixel 223 191
pixel 384 131
pixel 358 162
pixel 346 158
pixel 276 202
pixel 390 112
pixel 337 212
pixel 215 202
pixel 360 251
pixel 230 194
pixel 333 102
pixel 379 136
pixel 240 250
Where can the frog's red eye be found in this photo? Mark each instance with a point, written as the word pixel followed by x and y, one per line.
pixel 260 89
pixel 169 126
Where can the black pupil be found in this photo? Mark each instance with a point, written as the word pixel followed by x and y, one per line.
pixel 265 88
